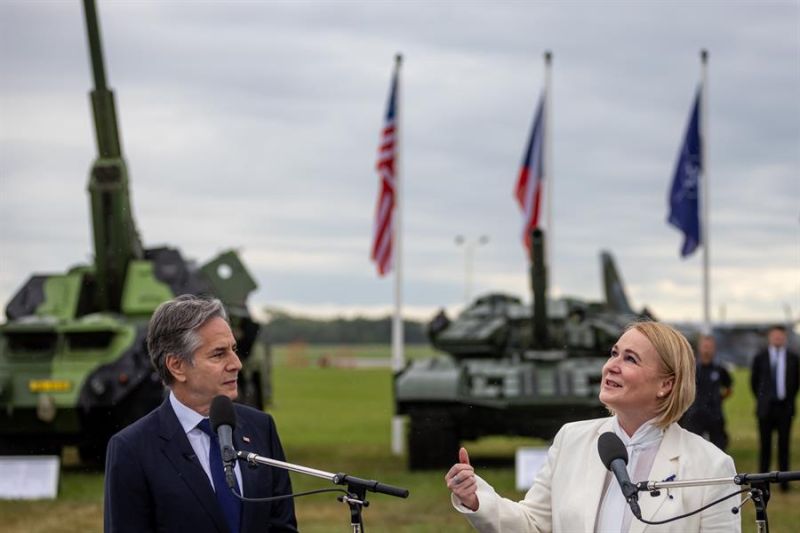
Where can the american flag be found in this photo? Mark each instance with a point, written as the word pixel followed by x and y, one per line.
pixel 383 233
pixel 531 175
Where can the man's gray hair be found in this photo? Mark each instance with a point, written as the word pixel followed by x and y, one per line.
pixel 173 330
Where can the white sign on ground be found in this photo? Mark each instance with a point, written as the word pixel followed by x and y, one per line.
pixel 528 462
pixel 32 477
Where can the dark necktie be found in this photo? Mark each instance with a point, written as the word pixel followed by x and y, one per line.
pixel 230 505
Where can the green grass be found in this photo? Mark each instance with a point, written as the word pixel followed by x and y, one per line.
pixel 337 420
pixel 783 510
pixel 303 354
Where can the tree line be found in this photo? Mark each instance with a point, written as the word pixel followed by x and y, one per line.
pixel 284 327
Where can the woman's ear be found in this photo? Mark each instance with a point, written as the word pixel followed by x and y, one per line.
pixel 666 387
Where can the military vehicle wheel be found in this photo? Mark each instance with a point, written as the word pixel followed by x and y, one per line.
pixel 432 441
pixel 93 455
pixel 101 424
pixel 92 448
pixel 250 392
pixel 22 445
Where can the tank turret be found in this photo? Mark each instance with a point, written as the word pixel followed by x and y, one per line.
pixel 510 368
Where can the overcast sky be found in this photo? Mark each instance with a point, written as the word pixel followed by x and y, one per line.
pixel 255 125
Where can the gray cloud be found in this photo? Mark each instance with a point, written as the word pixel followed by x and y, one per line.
pixel 256 125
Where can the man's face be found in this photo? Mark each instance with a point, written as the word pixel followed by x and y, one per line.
pixel 776 338
pixel 706 349
pixel 214 370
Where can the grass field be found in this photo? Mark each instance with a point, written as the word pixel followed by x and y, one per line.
pixel 303 354
pixel 337 419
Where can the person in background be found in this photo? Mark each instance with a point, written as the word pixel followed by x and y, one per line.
pixel 774 380
pixel 713 385
pixel 647 383
pixel 164 472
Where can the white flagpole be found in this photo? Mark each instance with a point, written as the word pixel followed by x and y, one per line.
pixel 398 358
pixel 704 199
pixel 547 167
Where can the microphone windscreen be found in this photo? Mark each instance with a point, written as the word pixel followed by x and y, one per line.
pixel 222 413
pixel 610 448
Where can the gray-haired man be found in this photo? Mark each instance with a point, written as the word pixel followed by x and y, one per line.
pixel 161 473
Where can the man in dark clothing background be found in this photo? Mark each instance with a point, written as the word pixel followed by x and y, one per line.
pixel 774 378
pixel 714 384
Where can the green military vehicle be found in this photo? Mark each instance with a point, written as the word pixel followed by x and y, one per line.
pixel 74 367
pixel 510 368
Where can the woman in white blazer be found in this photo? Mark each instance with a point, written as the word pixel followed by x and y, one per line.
pixel 648 383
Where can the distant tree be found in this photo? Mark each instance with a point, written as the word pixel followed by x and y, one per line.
pixel 284 327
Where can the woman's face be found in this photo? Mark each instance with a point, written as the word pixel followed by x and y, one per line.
pixel 632 382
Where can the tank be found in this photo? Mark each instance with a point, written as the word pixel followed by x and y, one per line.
pixel 507 368
pixel 74 367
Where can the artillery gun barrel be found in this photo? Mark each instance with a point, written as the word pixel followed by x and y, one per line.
pixel 96 51
pixel 539 287
pixel 105 114
pixel 116 241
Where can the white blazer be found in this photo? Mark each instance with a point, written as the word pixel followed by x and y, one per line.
pixel 569 488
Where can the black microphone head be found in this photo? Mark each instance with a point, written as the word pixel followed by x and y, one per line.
pixel 610 448
pixel 222 413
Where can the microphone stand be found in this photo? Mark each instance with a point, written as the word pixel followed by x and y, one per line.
pixel 758 489
pixel 357 488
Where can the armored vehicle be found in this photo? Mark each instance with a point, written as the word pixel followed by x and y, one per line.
pixel 74 367
pixel 510 368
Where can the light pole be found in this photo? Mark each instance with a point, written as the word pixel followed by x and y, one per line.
pixel 469 260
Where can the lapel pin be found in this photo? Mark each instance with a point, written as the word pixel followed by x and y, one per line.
pixel 657 492
pixel 246 439
pixel 670 478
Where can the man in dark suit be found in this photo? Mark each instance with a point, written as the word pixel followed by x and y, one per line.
pixel 161 471
pixel 774 379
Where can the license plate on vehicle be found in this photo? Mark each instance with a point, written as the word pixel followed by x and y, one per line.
pixel 49 385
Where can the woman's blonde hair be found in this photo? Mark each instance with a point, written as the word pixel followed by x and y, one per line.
pixel 677 361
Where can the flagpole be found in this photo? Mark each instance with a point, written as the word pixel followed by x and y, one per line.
pixel 704 199
pixel 547 165
pixel 398 357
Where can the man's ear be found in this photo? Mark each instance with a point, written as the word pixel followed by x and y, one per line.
pixel 177 367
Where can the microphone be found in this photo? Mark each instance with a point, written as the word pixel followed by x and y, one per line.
pixel 222 417
pixel 615 458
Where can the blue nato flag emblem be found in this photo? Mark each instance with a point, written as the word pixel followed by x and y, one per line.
pixel 684 195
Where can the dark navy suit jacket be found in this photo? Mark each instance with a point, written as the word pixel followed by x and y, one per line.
pixel 761 380
pixel 154 481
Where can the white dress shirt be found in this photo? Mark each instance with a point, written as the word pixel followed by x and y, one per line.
pixel 777 361
pixel 614 514
pixel 200 441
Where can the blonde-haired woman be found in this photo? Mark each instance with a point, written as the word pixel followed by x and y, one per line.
pixel 647 384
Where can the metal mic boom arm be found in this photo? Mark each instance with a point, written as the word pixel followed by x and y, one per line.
pixel 738 479
pixel 337 479
pixel 652 486
pixel 759 491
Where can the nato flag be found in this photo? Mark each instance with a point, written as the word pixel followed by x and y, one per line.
pixel 683 198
